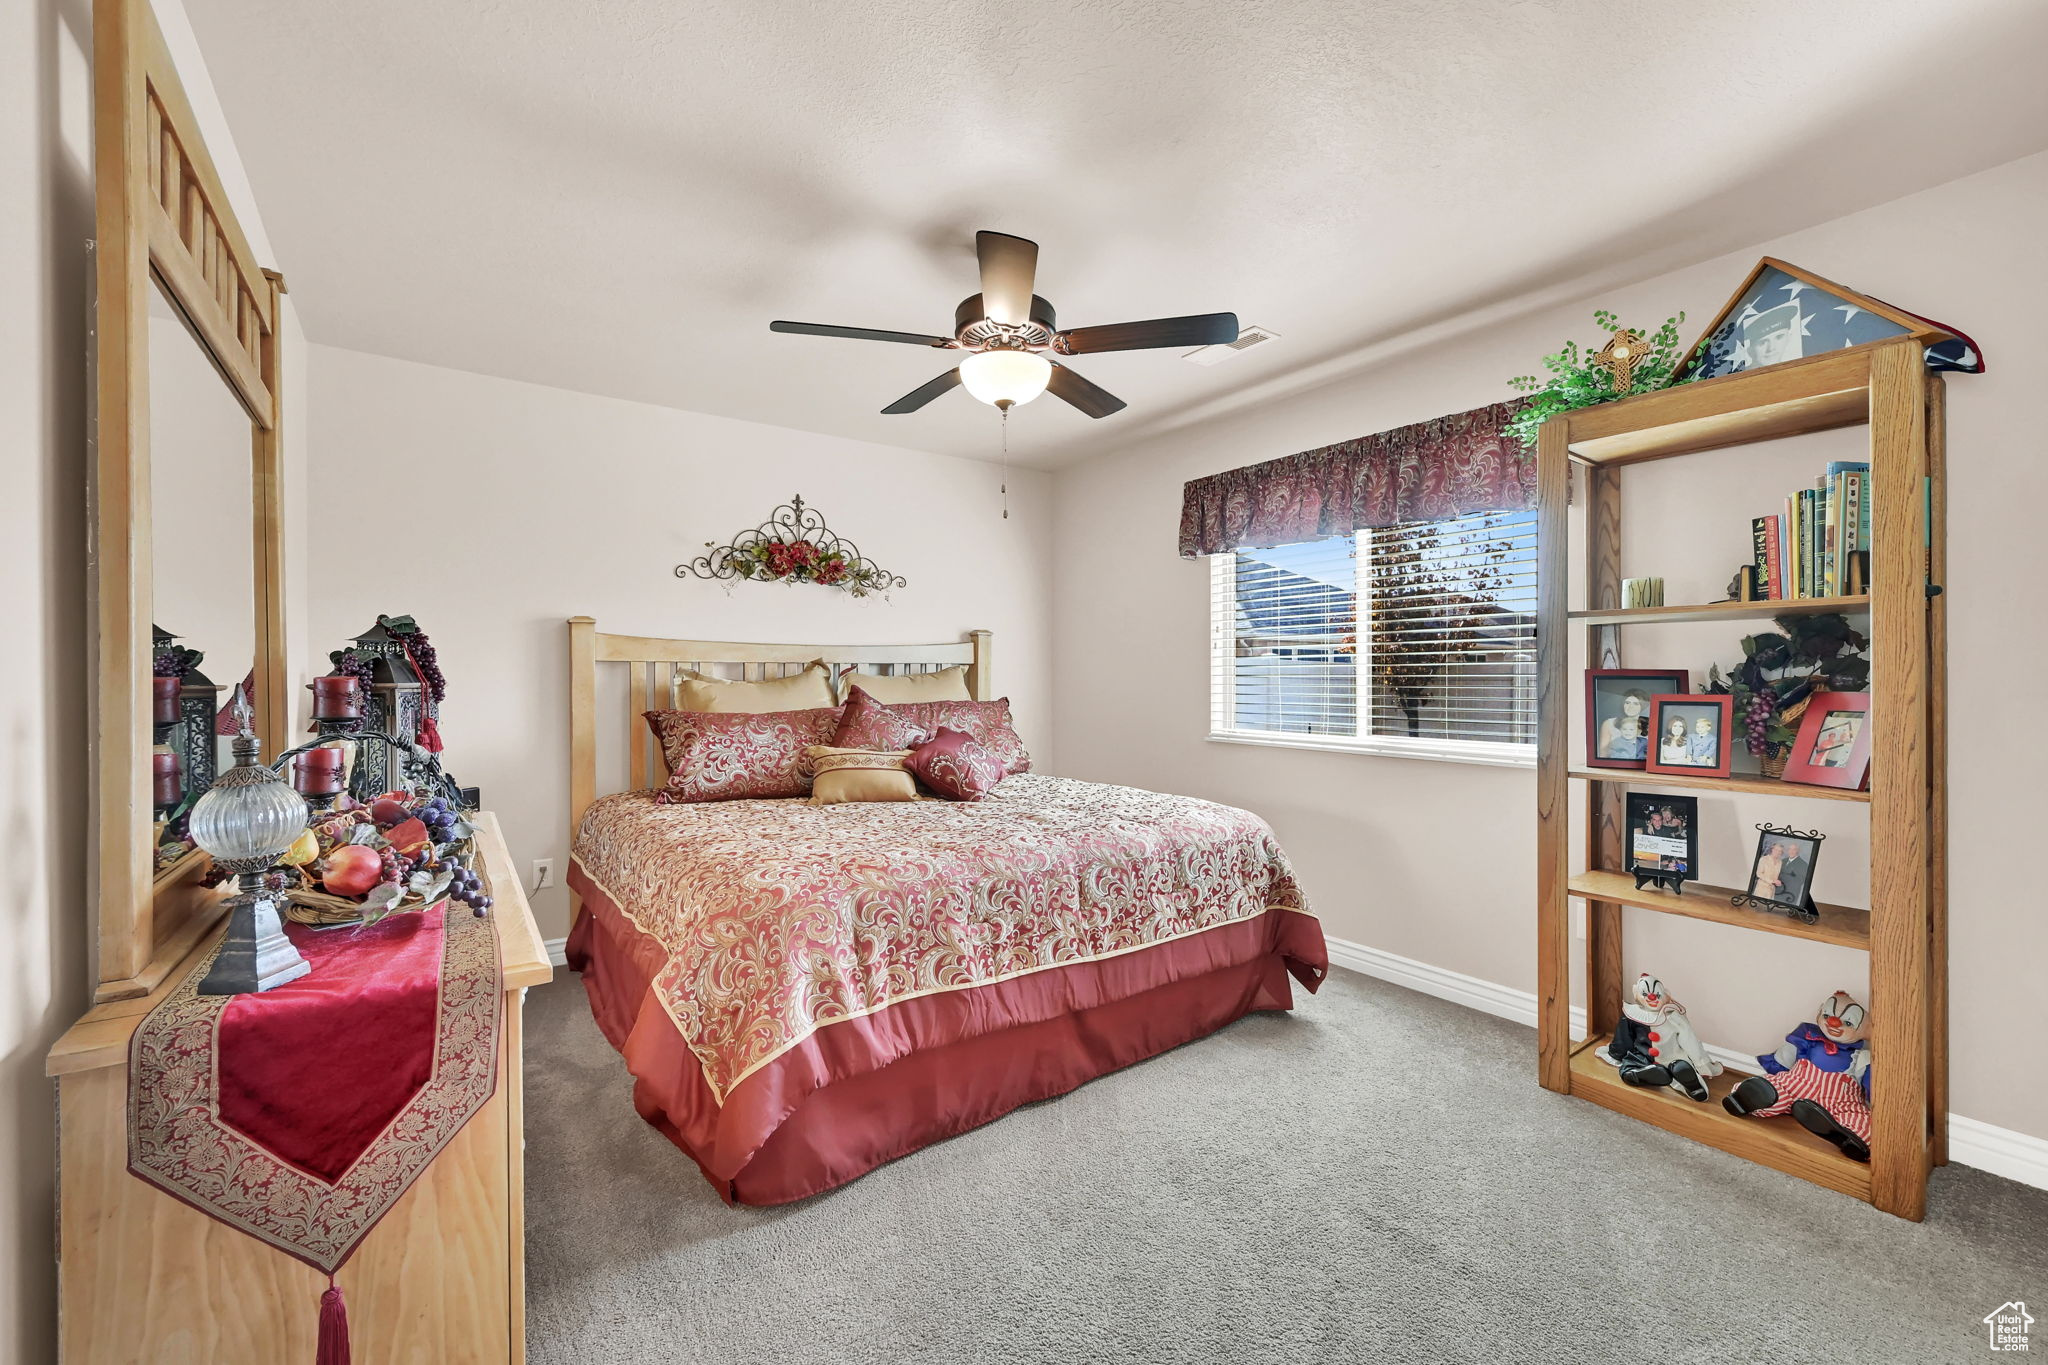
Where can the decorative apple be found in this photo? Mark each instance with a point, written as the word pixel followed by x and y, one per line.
pixel 388 811
pixel 304 850
pixel 352 870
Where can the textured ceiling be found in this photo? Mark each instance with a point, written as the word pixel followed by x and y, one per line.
pixel 617 197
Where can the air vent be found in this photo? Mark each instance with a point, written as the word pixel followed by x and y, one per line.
pixel 1247 337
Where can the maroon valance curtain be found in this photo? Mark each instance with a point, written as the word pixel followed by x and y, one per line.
pixel 1431 471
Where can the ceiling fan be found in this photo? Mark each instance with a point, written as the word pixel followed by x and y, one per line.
pixel 1007 329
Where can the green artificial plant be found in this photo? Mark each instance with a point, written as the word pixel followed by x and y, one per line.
pixel 1780 671
pixel 1577 382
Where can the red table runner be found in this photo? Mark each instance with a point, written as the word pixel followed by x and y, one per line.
pixel 301 1114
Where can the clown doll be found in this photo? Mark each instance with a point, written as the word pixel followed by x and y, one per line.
pixel 1654 1045
pixel 1820 1075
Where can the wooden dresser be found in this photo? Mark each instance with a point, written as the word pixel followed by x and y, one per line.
pixel 146 1280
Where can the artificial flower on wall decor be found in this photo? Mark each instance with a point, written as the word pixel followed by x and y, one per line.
pixel 793 546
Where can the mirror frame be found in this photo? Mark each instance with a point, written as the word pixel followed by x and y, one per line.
pixel 160 210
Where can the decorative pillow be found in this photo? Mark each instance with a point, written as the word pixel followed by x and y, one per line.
pixel 859 775
pixel 953 764
pixel 947 684
pixel 735 756
pixel 802 691
pixel 867 724
pixel 987 721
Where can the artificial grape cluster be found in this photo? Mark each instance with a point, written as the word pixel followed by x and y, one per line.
pixel 465 886
pixel 429 665
pixel 349 664
pixel 439 818
pixel 1757 720
pixel 397 867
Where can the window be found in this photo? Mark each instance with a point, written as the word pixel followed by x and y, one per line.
pixel 1445 665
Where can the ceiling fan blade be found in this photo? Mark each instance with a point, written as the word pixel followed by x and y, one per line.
pixel 820 329
pixel 1009 269
pixel 1202 329
pixel 925 393
pixel 1084 394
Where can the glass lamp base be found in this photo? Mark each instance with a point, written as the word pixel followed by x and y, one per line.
pixel 255 955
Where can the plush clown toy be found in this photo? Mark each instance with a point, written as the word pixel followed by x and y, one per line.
pixel 1654 1045
pixel 1820 1075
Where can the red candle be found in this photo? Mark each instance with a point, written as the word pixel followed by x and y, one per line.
pixel 164 699
pixel 337 698
pixel 317 772
pixel 167 778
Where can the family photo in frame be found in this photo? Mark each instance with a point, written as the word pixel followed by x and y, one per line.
pixel 1618 723
pixel 1781 874
pixel 1663 839
pixel 1690 734
pixel 1832 748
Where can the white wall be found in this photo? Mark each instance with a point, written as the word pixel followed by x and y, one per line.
pixel 1435 861
pixel 513 507
pixel 45 220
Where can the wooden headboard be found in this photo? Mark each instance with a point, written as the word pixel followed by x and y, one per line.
pixel 654 668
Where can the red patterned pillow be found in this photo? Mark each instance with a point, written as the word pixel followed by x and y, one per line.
pixel 987 722
pixel 735 756
pixel 955 766
pixel 867 724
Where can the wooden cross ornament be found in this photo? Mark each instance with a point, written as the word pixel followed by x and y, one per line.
pixel 1620 356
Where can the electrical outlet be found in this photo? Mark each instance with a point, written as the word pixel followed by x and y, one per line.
pixel 543 873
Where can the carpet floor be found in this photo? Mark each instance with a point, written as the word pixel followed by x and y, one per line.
pixel 1374 1178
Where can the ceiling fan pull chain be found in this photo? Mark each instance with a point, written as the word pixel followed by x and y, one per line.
pixel 1006 464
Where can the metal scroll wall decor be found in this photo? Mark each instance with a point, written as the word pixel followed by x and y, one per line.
pixel 793 546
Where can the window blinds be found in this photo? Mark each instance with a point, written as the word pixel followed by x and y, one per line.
pixel 1423 633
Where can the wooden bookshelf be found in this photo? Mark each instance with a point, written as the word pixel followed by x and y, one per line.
pixel 1748 784
pixel 1838 924
pixel 1779 1144
pixel 1722 611
pixel 1884 387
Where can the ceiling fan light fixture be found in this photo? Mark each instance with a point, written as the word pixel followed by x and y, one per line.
pixel 1006 377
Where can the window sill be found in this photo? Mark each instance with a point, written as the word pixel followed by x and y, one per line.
pixel 1440 751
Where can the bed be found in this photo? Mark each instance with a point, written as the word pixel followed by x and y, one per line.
pixel 803 993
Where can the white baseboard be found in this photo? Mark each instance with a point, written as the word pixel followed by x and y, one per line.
pixel 555 948
pixel 2001 1151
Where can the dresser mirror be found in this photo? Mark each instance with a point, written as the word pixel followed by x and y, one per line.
pixel 187 501
pixel 203 567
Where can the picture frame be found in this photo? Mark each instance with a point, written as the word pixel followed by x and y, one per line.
pixel 1661 839
pixel 1781 872
pixel 1832 748
pixel 1690 734
pixel 1608 695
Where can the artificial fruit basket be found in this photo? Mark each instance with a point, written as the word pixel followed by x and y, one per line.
pixel 360 862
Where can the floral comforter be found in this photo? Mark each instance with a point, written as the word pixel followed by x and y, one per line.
pixel 779 917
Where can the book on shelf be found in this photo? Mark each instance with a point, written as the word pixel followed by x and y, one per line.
pixel 1809 506
pixel 1770 571
pixel 1804 549
pixel 1849 489
pixel 1788 549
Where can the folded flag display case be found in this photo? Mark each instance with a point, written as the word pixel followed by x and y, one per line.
pixel 1784 313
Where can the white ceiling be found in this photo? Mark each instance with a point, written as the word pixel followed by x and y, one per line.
pixel 617 196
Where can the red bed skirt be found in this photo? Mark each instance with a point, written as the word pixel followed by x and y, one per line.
pixel 861 1092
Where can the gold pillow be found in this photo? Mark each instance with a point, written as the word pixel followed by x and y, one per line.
pixel 948 684
pixel 804 691
pixel 841 775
